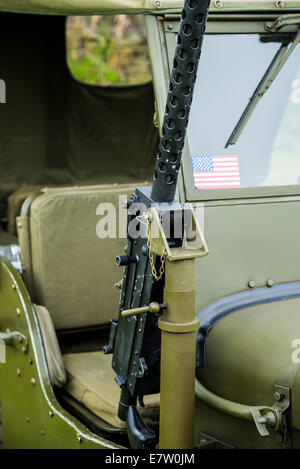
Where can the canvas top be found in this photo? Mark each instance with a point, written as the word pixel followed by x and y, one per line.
pixel 90 7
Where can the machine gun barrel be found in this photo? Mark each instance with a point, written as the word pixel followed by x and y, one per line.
pixel 179 100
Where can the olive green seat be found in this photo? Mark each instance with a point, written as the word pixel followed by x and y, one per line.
pixel 69 268
pixel 71 272
pixel 90 379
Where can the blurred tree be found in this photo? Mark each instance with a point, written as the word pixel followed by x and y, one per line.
pixel 108 50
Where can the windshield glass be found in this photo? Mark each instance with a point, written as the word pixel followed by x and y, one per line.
pixel 268 151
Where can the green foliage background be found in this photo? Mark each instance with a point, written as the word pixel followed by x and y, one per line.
pixel 107 51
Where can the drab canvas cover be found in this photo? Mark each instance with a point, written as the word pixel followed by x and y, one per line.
pixel 89 7
pixel 55 130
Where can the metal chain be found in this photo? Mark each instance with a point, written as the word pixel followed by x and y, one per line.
pixel 151 258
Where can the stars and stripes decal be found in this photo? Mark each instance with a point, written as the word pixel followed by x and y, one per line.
pixel 216 172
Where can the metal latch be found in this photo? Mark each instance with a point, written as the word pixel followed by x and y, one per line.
pixel 272 417
pixel 15 339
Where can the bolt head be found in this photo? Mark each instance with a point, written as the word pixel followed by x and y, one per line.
pixel 278 396
pixel 18 311
pixel 18 372
pixel 251 284
pixel 33 381
pixel 270 283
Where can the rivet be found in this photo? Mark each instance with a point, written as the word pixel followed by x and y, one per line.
pixel 280 4
pixel 33 381
pixel 141 320
pixel 140 330
pixel 79 439
pixel 251 284
pixel 24 349
pixel 42 432
pixel 30 361
pixel 27 419
pixel 270 283
pixel 278 396
pixel 8 330
pixel 170 27
pixel 51 413
pixel 13 286
pixel 218 4
pixel 157 3
pixel 18 311
pixel 18 372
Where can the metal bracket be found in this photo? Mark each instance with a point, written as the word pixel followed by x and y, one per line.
pixel 15 339
pixel 273 417
pixel 285 20
pixel 194 244
pixel 282 396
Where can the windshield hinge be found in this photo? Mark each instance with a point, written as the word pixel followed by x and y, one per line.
pixel 285 20
pixel 280 59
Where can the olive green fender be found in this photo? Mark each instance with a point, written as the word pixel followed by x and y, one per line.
pixel 31 415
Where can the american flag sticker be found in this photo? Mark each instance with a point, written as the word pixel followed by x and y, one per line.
pixel 216 172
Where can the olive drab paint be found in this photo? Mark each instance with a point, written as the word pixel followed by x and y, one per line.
pixel 248 394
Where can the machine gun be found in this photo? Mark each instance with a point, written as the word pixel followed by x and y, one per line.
pixel 150 348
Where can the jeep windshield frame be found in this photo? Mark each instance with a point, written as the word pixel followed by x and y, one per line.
pixel 162 42
pixel 281 57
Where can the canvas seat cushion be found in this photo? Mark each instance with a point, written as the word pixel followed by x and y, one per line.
pixel 55 363
pixel 73 269
pixel 90 380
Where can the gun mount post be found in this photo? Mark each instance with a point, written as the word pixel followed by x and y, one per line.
pixel 178 325
pixel 178 328
pixel 143 339
pixel 178 358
